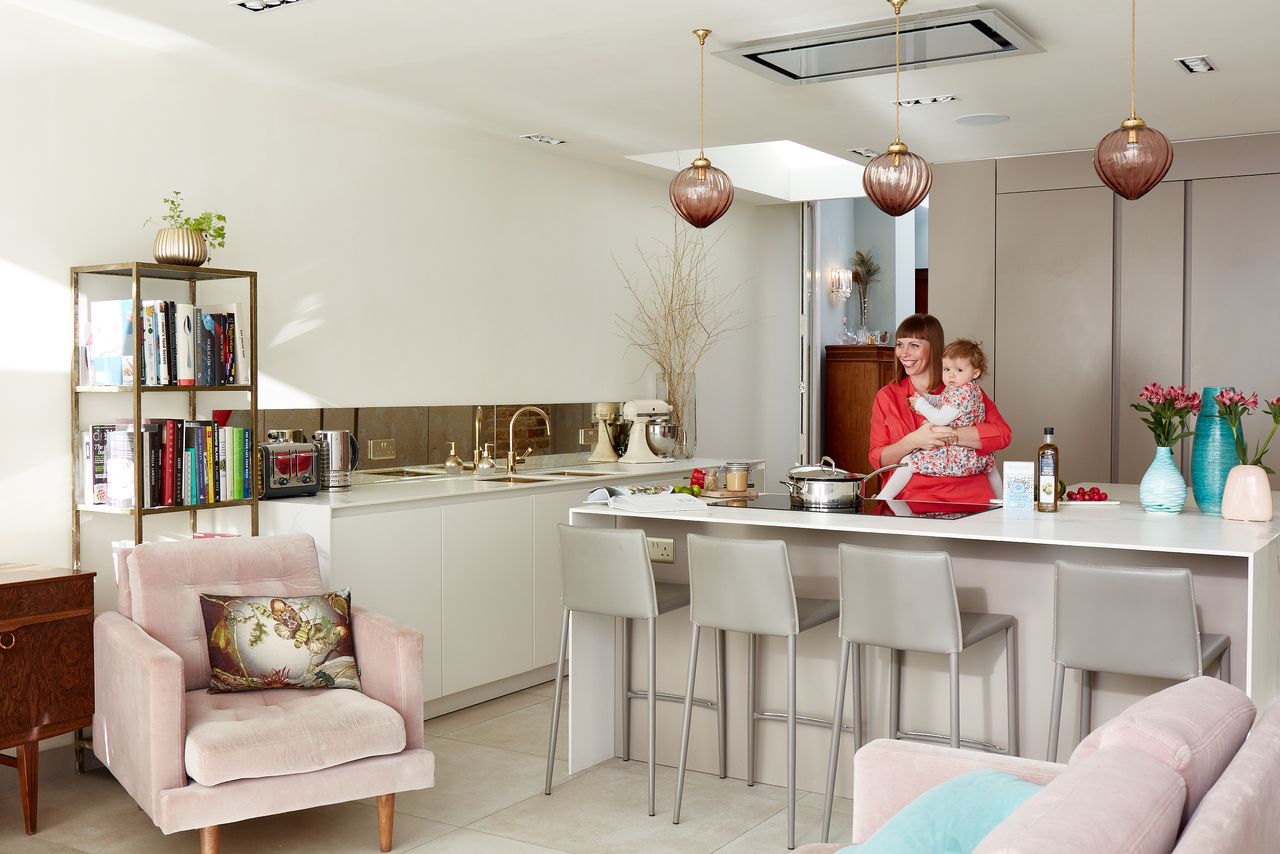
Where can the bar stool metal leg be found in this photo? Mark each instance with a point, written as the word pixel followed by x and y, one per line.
pixel 1011 685
pixel 722 720
pixel 555 702
pixel 653 714
pixel 1055 712
pixel 955 699
pixel 855 653
pixel 684 731
pixel 791 741
pixel 833 756
pixel 895 693
pixel 1086 704
pixel 626 689
pixel 751 710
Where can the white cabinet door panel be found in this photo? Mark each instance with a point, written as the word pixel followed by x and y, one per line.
pixel 487 620
pixel 391 562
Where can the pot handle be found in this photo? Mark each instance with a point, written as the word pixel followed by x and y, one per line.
pixel 790 485
pixel 863 482
pixel 823 463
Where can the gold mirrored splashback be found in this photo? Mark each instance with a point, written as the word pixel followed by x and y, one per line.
pixel 421 434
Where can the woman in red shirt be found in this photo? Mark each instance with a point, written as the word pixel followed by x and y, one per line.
pixel 897 429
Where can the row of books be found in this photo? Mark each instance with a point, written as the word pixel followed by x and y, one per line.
pixel 184 463
pixel 182 344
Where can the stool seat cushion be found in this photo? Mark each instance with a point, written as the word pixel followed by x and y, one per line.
pixel 1195 728
pixel 975 627
pixel 274 733
pixel 671 597
pixel 815 612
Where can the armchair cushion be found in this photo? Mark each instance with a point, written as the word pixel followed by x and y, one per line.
pixel 258 642
pixel 952 816
pixel 275 733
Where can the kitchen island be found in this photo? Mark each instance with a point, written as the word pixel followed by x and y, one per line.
pixel 1001 564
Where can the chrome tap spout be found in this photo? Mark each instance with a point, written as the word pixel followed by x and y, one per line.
pixel 512 458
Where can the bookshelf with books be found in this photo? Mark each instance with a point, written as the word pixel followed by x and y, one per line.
pixel 159 341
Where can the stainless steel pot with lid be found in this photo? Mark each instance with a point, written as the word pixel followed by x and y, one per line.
pixel 826 486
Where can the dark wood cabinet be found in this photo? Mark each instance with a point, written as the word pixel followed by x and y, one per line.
pixel 852 374
pixel 46 665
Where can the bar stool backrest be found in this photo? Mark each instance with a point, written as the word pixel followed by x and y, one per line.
pixel 741 586
pixel 899 599
pixel 607 571
pixel 1130 620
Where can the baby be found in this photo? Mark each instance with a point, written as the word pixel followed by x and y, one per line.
pixel 959 405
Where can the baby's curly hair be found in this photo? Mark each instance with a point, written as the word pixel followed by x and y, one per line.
pixel 970 351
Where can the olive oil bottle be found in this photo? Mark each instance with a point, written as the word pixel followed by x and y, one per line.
pixel 1047 468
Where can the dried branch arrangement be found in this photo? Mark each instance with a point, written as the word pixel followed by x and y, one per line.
pixel 678 316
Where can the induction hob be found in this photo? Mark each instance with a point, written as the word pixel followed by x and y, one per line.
pixel 911 509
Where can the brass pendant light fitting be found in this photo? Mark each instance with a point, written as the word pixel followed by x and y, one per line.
pixel 700 192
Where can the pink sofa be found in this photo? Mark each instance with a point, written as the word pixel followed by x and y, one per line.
pixel 1175 772
pixel 194 760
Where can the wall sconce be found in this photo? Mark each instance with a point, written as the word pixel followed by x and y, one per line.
pixel 841 283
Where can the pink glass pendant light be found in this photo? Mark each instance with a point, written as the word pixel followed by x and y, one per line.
pixel 1134 158
pixel 897 181
pixel 700 192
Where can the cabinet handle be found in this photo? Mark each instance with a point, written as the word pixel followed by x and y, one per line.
pixel 7 640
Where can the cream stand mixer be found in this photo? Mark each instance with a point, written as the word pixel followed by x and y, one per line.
pixel 642 414
pixel 605 415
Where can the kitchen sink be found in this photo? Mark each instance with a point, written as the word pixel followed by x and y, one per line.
pixel 512 479
pixel 574 473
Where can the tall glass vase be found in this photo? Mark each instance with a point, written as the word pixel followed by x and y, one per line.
pixel 679 390
pixel 1162 489
pixel 1213 454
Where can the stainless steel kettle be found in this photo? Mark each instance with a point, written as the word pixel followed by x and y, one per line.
pixel 339 456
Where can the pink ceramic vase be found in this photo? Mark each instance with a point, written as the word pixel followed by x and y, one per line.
pixel 1247 496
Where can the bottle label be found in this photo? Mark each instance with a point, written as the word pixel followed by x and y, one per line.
pixel 1047 482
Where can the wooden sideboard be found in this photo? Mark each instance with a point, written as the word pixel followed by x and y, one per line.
pixel 46 665
pixel 851 376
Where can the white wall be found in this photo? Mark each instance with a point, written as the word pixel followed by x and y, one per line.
pixel 402 260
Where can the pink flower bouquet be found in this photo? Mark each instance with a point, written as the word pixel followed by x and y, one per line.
pixel 1166 410
pixel 1234 406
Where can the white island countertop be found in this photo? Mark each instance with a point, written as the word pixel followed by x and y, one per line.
pixel 446 489
pixel 1124 526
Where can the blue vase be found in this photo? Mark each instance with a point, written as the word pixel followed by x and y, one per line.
pixel 1213 453
pixel 1162 489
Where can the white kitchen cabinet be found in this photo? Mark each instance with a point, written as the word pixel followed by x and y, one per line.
pixel 391 562
pixel 487 592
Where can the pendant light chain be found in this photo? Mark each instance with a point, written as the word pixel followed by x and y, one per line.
pixel 897 76
pixel 702 91
pixel 1133 53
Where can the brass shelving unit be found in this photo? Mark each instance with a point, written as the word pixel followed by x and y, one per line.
pixel 137 272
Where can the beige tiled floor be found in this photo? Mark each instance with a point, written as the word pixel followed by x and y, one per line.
pixel 490 762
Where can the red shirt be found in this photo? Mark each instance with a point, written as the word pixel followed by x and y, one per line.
pixel 892 418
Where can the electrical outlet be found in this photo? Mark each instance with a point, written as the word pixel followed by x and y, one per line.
pixel 382 449
pixel 661 550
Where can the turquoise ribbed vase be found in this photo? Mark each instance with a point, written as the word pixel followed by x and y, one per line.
pixel 1162 489
pixel 1213 453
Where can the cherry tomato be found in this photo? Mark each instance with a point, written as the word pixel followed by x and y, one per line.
pixel 1102 496
pixel 1094 492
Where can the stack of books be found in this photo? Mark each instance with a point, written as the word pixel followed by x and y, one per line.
pixel 182 344
pixel 184 463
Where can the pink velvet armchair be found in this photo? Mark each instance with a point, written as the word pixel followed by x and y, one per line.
pixel 195 760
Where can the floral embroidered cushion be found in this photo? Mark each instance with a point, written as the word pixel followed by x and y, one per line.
pixel 258 642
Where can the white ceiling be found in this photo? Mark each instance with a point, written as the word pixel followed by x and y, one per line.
pixel 618 78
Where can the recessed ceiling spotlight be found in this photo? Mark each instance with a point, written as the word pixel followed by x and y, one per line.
pixel 982 119
pixel 262 5
pixel 863 152
pixel 1195 64
pixel 928 99
pixel 542 137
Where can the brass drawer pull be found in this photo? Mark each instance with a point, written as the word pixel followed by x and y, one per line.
pixel 7 640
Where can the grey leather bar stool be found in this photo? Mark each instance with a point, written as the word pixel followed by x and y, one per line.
pixel 1133 621
pixel 745 586
pixel 607 571
pixel 906 601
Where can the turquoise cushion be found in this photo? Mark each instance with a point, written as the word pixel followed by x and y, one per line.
pixel 952 817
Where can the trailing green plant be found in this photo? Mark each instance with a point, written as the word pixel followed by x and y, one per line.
pixel 212 225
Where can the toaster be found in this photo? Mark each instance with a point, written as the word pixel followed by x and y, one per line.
pixel 288 468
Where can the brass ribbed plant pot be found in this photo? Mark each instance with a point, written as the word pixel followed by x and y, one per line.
pixel 185 246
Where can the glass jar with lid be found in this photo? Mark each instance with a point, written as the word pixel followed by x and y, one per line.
pixel 737 476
